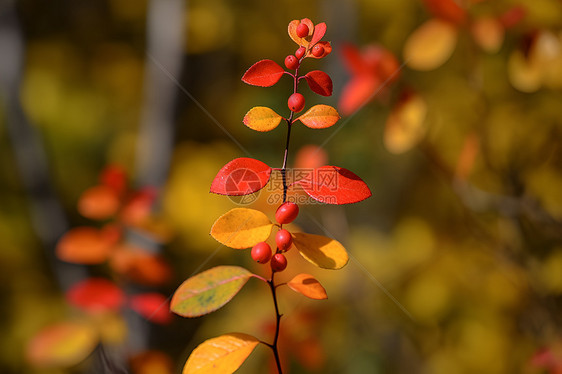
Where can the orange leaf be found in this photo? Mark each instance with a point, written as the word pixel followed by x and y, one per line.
pixel 430 45
pixel 99 202
pixel 262 119
pixel 321 251
pixel 405 125
pixel 221 355
pixel 292 29
pixel 84 245
pixel 62 345
pixel 319 117
pixel 488 33
pixel 308 286
pixel 152 362
pixel 141 266
pixel 241 228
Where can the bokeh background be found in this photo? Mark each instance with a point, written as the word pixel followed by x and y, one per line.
pixel 456 258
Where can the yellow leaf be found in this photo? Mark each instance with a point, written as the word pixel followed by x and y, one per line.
pixel 488 33
pixel 430 45
pixel 405 125
pixel 319 117
pixel 221 355
pixel 307 285
pixel 524 74
pixel 262 118
pixel 241 228
pixel 62 345
pixel 321 251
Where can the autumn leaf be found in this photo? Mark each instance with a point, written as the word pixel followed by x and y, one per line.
pixel 241 176
pixel 208 291
pixel 307 285
pixel 405 125
pixel 319 82
pixel 334 185
pixel 63 344
pixel 96 295
pixel 264 73
pixel 98 202
pixel 321 251
pixel 319 117
pixel 448 10
pixel 430 45
pixel 84 245
pixel 319 32
pixel 221 355
pixel 262 119
pixel 152 306
pixel 292 30
pixel 488 33
pixel 241 228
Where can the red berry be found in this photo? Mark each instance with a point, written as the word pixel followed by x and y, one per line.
pixel 261 252
pixel 283 239
pixel 296 102
pixel 300 52
pixel 318 50
pixel 287 212
pixel 291 62
pixel 302 30
pixel 278 262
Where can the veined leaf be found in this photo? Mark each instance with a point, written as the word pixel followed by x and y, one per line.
pixel 319 117
pixel 307 285
pixel 430 45
pixel 264 73
pixel 221 355
pixel 262 119
pixel 319 82
pixel 321 251
pixel 208 291
pixel 241 176
pixel 334 185
pixel 241 228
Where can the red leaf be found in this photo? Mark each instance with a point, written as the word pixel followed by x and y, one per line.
pixel 153 306
pixel 319 32
pixel 448 10
pixel 139 206
pixel 357 93
pixel 264 73
pixel 319 82
pixel 513 16
pixel 353 60
pixel 241 176
pixel 334 185
pixel 96 295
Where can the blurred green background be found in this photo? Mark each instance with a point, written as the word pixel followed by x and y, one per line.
pixel 456 259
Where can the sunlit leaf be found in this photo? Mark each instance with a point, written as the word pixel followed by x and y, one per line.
pixel 292 30
pixel 99 202
pixel 152 306
pixel 448 10
pixel 319 82
pixel 62 345
pixel 84 245
pixel 430 45
pixel 321 251
pixel 96 295
pixel 264 73
pixel 319 32
pixel 405 125
pixel 241 176
pixel 524 74
pixel 358 92
pixel 262 118
pixel 241 228
pixel 208 291
pixel 488 33
pixel 307 285
pixel 334 185
pixel 221 355
pixel 319 117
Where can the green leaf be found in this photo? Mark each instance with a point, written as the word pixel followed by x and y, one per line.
pixel 208 291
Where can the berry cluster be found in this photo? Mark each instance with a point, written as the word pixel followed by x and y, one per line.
pixel 261 252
